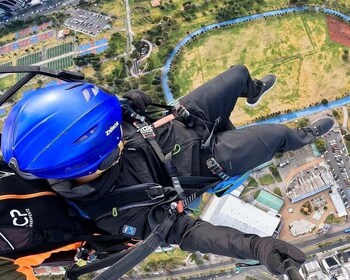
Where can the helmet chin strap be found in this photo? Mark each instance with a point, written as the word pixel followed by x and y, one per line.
pixel 88 178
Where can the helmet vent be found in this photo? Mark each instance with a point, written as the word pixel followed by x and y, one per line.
pixel 95 90
pixel 87 94
pixel 86 135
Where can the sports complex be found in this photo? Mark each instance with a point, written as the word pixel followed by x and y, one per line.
pixel 39 45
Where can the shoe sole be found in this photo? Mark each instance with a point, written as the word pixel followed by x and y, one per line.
pixel 320 119
pixel 257 102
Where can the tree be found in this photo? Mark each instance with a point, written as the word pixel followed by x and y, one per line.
pixel 320 145
pixel 345 56
pixel 302 122
pixel 278 191
pixel 324 101
pixel 39 83
pixel 128 63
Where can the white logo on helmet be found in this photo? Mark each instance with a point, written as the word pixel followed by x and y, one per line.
pixel 112 128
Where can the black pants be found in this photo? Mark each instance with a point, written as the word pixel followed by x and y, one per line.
pixel 240 150
pixel 237 151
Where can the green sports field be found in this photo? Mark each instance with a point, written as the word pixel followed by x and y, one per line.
pixel 61 63
pixel 296 48
pixel 28 60
pixel 59 50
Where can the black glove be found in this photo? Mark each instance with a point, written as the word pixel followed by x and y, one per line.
pixel 140 100
pixel 272 252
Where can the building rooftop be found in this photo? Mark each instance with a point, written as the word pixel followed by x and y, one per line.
pixel 338 203
pixel 232 212
pixel 309 182
pixel 312 266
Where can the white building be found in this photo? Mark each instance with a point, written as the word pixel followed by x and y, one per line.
pixel 335 269
pixel 313 271
pixel 232 212
pixel 338 203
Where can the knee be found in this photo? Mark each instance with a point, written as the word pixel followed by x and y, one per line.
pixel 239 68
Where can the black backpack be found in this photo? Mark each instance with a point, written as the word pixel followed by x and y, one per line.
pixel 34 219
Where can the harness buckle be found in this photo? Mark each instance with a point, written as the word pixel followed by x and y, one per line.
pixel 81 254
pixel 177 186
pixel 156 192
pixel 181 111
pixel 215 168
pixel 147 131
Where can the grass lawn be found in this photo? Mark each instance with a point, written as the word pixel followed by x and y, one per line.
pixel 107 67
pixel 113 8
pixel 278 177
pixel 331 219
pixel 175 257
pixel 7 82
pixel 295 47
pixel 347 143
pixel 88 71
pixel 266 180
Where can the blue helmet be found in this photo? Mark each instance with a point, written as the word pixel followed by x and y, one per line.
pixel 61 132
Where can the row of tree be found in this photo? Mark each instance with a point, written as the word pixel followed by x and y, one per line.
pixel 88 59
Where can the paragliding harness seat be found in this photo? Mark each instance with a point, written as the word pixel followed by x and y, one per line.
pixel 122 254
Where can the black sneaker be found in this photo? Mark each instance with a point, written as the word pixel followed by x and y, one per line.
pixel 319 127
pixel 263 85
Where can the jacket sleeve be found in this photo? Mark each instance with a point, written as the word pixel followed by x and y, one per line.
pixel 8 270
pixel 197 235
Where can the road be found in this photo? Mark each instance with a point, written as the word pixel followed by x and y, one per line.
pixel 310 247
pixel 135 62
pixel 129 34
pixel 346 117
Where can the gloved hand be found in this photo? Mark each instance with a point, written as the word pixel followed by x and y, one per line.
pixel 140 100
pixel 271 252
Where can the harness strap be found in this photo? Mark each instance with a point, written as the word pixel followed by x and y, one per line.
pixel 146 194
pixel 122 262
pixel 148 133
pixel 212 164
pixel 58 235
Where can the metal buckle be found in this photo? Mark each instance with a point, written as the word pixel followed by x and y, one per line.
pixel 213 166
pixel 181 111
pixel 157 196
pixel 80 252
pixel 147 131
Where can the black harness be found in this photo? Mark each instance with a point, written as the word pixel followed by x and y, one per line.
pixel 173 197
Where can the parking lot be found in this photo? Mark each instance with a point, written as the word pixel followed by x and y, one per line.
pixel 89 23
pixel 339 165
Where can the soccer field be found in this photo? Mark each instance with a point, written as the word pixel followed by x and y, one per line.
pixel 61 63
pixel 29 59
pixel 59 50
pixel 6 64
